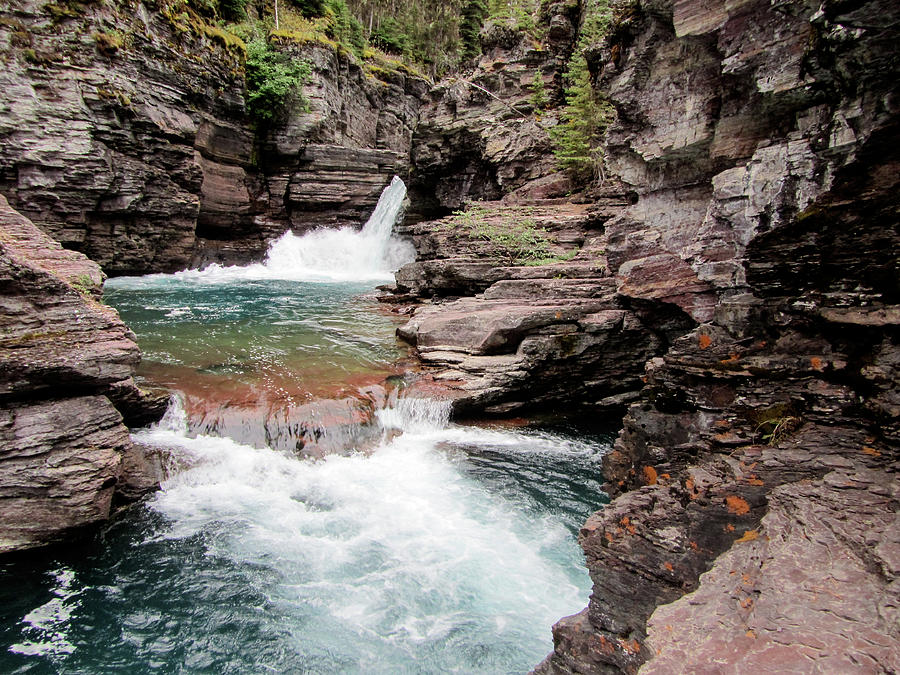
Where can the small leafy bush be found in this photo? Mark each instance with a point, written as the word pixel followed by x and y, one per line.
pixel 272 77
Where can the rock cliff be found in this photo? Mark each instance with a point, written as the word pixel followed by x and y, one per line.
pixel 125 136
pixel 66 364
pixel 760 139
pixel 481 135
pixel 738 287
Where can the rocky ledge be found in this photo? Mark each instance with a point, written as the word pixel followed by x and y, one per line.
pixel 66 365
pixel 499 336
pixel 743 302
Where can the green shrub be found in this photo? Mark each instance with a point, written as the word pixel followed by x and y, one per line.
pixel 538 93
pixel 512 234
pixel 272 77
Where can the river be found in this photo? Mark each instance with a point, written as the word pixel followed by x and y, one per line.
pixel 371 536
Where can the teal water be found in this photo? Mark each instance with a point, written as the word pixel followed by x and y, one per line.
pixel 440 548
pixel 213 332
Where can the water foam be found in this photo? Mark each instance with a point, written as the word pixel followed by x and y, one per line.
pixel 371 254
pixel 382 559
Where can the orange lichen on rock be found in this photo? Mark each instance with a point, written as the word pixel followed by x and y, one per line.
pixel 871 451
pixel 737 505
pixel 749 535
pixel 669 567
pixel 692 491
pixel 650 475
pixel 705 341
pixel 816 363
pixel 630 646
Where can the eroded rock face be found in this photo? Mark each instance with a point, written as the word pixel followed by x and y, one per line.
pixel 139 152
pixel 66 361
pixel 522 337
pixel 480 137
pixel 767 213
pixel 765 607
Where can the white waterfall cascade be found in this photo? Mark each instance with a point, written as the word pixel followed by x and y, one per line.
pixel 371 254
pixel 347 254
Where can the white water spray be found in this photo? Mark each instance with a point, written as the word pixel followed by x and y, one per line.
pixel 371 254
pixel 386 558
pixel 345 254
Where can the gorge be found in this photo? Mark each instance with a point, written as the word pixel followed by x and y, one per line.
pixel 724 300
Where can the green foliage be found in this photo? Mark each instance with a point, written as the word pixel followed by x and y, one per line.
pixel 271 78
pixel 343 27
pixel 233 10
pixel 512 234
pixel 309 8
pixel 108 42
pixel 472 18
pixel 538 93
pixel 776 423
pixel 583 122
pixel 516 14
pixel 390 37
pixel 84 285
pixel 428 33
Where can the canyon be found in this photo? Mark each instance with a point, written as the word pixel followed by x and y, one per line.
pixel 730 292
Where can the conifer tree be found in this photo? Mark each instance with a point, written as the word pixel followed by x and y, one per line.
pixel 583 121
pixel 472 18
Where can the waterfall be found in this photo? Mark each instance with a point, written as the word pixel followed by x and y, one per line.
pixel 346 254
pixel 413 414
pixel 371 254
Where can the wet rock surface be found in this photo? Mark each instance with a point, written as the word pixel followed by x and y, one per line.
pixel 765 436
pixel 142 156
pixel 66 362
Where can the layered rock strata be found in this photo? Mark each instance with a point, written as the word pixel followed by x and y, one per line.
pixel 760 140
pixel 483 135
pixel 125 136
pixel 498 336
pixel 66 363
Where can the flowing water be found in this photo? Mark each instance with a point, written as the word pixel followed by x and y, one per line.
pixel 439 548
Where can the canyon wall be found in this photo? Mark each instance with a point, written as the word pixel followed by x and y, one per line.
pixel 735 287
pixel 125 136
pixel 761 141
pixel 66 392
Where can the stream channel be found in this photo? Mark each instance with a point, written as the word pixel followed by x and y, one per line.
pixel 312 519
